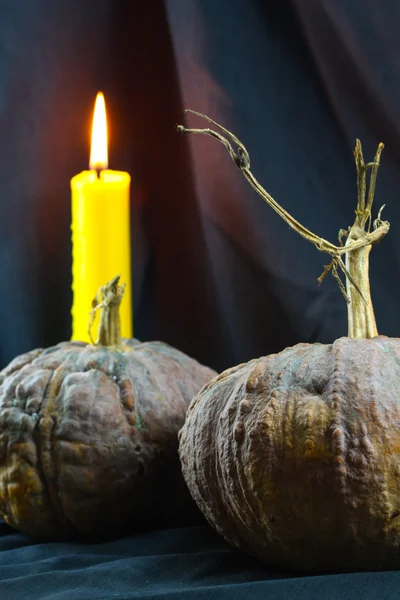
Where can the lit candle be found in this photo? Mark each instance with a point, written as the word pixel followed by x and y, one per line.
pixel 100 231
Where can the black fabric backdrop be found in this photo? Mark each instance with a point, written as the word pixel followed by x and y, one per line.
pixel 216 273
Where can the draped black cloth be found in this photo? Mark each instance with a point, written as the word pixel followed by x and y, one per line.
pixel 215 271
pixel 171 564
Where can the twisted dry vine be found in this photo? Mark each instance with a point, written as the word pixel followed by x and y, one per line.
pixel 360 238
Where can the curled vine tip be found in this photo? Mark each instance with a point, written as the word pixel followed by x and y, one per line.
pixel 239 155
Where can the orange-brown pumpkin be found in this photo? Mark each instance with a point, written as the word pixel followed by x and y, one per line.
pixel 88 437
pixel 295 457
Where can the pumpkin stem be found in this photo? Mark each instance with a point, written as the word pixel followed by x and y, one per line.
pixel 360 312
pixel 360 238
pixel 108 300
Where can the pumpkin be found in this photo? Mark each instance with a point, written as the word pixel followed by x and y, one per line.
pixel 295 457
pixel 88 434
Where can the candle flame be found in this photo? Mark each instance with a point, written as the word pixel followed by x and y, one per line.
pixel 98 149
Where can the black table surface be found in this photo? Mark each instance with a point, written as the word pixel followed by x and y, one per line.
pixel 191 562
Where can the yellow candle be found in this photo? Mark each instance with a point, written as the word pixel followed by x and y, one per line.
pixel 100 231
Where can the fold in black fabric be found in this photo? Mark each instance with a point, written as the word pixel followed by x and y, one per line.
pixel 170 564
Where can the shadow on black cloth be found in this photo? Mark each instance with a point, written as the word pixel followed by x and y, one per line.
pixel 175 563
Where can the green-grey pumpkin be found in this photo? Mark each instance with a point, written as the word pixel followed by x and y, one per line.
pixel 88 435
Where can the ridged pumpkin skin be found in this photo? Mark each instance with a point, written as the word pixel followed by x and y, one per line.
pixel 295 457
pixel 88 437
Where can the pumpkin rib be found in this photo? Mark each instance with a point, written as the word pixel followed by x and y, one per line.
pixel 336 429
pixel 120 370
pixel 243 442
pixel 376 418
pixel 19 363
pixel 115 358
pixel 35 435
pixel 49 474
pixel 226 477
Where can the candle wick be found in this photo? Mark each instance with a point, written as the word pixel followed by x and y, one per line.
pixel 97 170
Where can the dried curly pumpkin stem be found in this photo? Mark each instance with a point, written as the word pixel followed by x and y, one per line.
pixel 361 317
pixel 360 238
pixel 108 300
